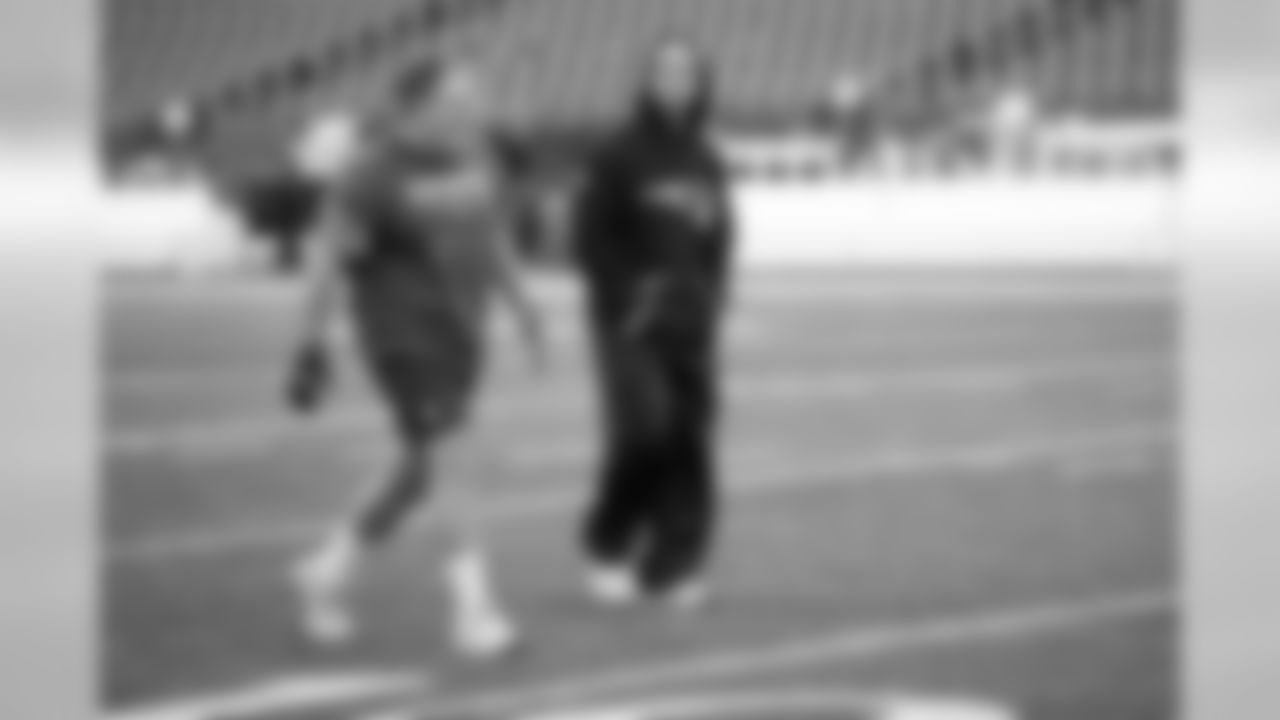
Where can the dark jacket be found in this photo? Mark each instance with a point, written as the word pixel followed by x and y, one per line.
pixel 654 231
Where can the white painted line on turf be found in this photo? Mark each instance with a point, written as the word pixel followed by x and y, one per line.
pixel 219 438
pixel 286 694
pixel 788 475
pixel 783 703
pixel 858 644
pixel 249 377
pixel 945 710
pixel 892 278
pixel 908 291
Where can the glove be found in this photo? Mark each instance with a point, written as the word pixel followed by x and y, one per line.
pixel 309 379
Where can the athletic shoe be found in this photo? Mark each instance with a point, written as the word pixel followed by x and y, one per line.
pixel 613 586
pixel 321 591
pixel 689 597
pixel 485 637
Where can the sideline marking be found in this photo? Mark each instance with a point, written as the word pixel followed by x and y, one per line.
pixel 284 694
pixel 249 375
pixel 782 703
pixel 780 477
pixel 256 433
pixel 860 643
pixel 410 692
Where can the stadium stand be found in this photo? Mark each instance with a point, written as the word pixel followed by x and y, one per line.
pixel 945 89
pixel 259 69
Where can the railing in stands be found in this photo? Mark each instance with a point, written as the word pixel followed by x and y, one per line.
pixel 247 98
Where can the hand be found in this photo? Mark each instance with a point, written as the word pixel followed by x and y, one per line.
pixel 639 320
pixel 309 379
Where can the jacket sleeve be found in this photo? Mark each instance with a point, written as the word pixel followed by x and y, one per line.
pixel 593 213
pixel 599 220
pixel 726 237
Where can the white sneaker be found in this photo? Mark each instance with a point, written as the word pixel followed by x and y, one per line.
pixel 481 629
pixel 689 598
pixel 613 586
pixel 321 588
pixel 485 637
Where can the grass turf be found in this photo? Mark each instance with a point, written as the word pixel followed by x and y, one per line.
pixel 899 448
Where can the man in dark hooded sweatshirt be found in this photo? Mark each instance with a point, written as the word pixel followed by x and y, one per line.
pixel 654 241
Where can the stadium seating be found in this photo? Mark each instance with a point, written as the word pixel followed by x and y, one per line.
pixel 267 66
pixel 155 49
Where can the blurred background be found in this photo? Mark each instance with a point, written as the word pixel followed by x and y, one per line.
pixel 966 102
pixel 60 113
pixel 951 371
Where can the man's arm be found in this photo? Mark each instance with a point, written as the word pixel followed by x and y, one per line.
pixel 726 249
pixel 596 218
pixel 512 288
pixel 603 245
pixel 326 248
pixel 644 306
pixel 310 372
pixel 708 209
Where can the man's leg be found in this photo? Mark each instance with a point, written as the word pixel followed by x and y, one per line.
pixel 687 505
pixel 395 501
pixel 481 627
pixel 617 523
pixel 327 574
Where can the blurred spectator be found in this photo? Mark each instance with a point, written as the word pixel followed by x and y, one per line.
pixel 846 114
pixel 1011 125
pixel 162 149
pixel 326 146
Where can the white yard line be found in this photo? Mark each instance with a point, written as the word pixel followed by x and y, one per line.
pixel 909 285
pixel 782 476
pixel 847 645
pixel 257 432
pixel 406 696
pixel 291 693
pixel 825 702
pixel 974 293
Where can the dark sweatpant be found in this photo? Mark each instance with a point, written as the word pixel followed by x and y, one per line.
pixel 656 503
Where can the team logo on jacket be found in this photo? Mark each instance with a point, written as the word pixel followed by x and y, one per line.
pixel 694 202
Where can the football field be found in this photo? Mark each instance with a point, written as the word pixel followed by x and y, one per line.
pixel 948 492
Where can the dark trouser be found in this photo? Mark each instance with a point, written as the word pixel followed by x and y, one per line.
pixel 656 503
